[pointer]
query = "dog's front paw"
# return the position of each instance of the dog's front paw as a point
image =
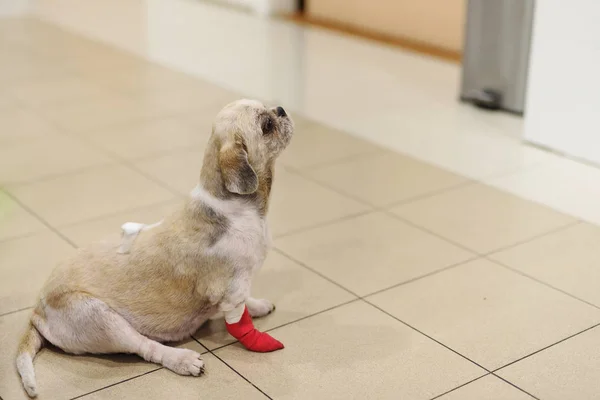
(184, 362)
(259, 307)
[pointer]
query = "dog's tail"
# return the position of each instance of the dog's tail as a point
(30, 344)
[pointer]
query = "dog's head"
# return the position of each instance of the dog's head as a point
(248, 137)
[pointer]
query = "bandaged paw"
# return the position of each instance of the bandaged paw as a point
(252, 339)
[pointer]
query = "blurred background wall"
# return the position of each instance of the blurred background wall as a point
(437, 23)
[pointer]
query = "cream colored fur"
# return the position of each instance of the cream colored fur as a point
(161, 282)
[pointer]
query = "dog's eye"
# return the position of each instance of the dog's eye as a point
(267, 126)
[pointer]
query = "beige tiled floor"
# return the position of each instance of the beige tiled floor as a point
(392, 278)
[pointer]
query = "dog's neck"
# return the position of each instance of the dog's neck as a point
(211, 183)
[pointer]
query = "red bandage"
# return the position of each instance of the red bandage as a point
(250, 338)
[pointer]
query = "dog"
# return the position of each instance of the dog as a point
(163, 281)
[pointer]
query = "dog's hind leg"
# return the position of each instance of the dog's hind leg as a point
(79, 323)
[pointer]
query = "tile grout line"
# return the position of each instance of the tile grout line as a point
(426, 335)
(424, 196)
(302, 172)
(133, 209)
(477, 255)
(515, 386)
(322, 224)
(314, 271)
(493, 372)
(42, 220)
(241, 376)
(545, 348)
(23, 236)
(45, 178)
(523, 274)
(126, 163)
(132, 377)
(295, 171)
(363, 299)
(532, 238)
(486, 256)
(116, 383)
(15, 311)
(82, 138)
(284, 324)
(427, 275)
(341, 160)
(460, 386)
(313, 315)
(430, 232)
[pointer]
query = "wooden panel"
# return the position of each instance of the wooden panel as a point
(434, 22)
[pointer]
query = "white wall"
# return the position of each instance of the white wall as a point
(563, 97)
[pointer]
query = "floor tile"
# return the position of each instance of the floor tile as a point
(37, 159)
(315, 144)
(21, 66)
(201, 120)
(15, 220)
(66, 90)
(203, 99)
(568, 370)
(353, 351)
(298, 203)
(6, 100)
(60, 375)
(371, 252)
(97, 62)
(484, 311)
(567, 260)
(565, 185)
(106, 227)
(30, 30)
(139, 77)
(218, 382)
(482, 218)
(90, 194)
(452, 136)
(488, 387)
(384, 178)
(19, 124)
(149, 138)
(295, 291)
(95, 114)
(25, 264)
(179, 170)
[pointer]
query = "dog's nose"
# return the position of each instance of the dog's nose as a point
(280, 112)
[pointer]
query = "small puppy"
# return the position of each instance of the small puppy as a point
(177, 274)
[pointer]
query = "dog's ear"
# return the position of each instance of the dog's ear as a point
(238, 175)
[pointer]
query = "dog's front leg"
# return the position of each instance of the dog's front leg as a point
(239, 325)
(259, 307)
(239, 322)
